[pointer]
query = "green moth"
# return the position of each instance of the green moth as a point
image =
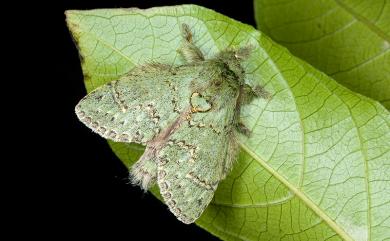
(187, 116)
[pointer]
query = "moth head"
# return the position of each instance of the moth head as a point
(232, 59)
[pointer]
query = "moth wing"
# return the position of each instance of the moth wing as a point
(138, 105)
(192, 163)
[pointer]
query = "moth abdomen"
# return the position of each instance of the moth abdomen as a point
(144, 172)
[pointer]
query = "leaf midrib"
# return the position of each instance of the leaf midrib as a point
(366, 179)
(299, 194)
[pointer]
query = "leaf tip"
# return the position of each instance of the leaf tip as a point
(71, 19)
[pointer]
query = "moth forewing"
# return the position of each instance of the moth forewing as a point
(138, 106)
(193, 162)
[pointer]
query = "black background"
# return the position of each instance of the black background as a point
(86, 184)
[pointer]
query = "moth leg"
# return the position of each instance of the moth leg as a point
(231, 155)
(247, 93)
(255, 91)
(188, 50)
(243, 129)
(240, 127)
(144, 172)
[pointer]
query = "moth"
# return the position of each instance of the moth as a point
(187, 116)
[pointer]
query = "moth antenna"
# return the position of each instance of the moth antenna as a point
(186, 32)
(188, 50)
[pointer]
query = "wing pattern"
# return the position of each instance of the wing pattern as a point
(138, 106)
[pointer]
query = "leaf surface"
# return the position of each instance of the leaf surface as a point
(347, 39)
(316, 166)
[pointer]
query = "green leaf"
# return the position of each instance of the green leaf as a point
(317, 165)
(347, 39)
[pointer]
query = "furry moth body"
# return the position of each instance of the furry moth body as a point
(187, 116)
